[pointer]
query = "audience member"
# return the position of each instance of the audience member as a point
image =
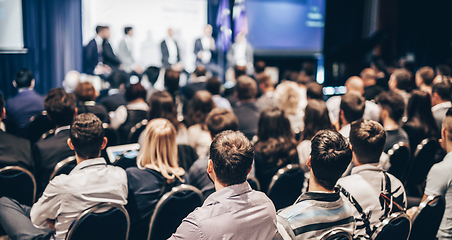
(352, 108)
(157, 172)
(171, 80)
(441, 94)
(268, 89)
(86, 96)
(315, 118)
(71, 81)
(302, 79)
(213, 85)
(392, 108)
(443, 74)
(234, 211)
(47, 152)
(218, 120)
(381, 72)
(276, 146)
(91, 182)
(149, 78)
(364, 185)
(114, 96)
(14, 151)
(314, 91)
(246, 110)
(420, 123)
(424, 79)
(330, 156)
(371, 89)
(400, 82)
(126, 117)
(287, 98)
(198, 109)
(26, 103)
(198, 82)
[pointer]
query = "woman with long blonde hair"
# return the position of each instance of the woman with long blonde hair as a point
(156, 172)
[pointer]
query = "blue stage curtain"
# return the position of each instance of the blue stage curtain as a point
(53, 36)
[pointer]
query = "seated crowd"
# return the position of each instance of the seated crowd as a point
(217, 139)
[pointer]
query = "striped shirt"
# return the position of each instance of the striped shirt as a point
(314, 215)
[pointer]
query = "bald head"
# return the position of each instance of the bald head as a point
(355, 84)
(368, 76)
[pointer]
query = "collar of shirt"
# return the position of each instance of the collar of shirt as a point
(89, 162)
(319, 196)
(99, 42)
(367, 167)
(89, 103)
(61, 129)
(447, 104)
(138, 106)
(227, 192)
(113, 91)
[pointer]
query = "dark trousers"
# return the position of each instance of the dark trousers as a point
(15, 220)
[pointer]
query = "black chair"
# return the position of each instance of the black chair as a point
(103, 221)
(64, 167)
(427, 218)
(39, 125)
(337, 235)
(111, 134)
(126, 159)
(187, 156)
(136, 130)
(395, 227)
(399, 157)
(254, 183)
(10, 126)
(286, 186)
(171, 209)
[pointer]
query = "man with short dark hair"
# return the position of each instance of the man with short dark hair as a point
(399, 82)
(197, 83)
(371, 89)
(424, 79)
(351, 109)
(321, 209)
(234, 211)
(61, 109)
(246, 110)
(392, 108)
(114, 97)
(441, 93)
(99, 53)
(26, 103)
(91, 182)
(365, 183)
(268, 89)
(213, 85)
(126, 52)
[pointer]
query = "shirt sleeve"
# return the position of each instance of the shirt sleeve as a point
(47, 206)
(188, 229)
(119, 118)
(437, 181)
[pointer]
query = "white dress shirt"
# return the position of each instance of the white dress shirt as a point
(172, 50)
(206, 54)
(99, 42)
(89, 183)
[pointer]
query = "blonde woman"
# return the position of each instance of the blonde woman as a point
(158, 170)
(288, 98)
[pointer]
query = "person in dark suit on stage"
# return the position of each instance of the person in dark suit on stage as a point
(170, 51)
(98, 57)
(26, 103)
(206, 52)
(51, 149)
(14, 151)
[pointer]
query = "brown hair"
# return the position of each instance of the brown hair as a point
(85, 92)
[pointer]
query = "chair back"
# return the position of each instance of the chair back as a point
(286, 186)
(187, 156)
(39, 124)
(399, 157)
(111, 134)
(171, 209)
(64, 166)
(254, 183)
(427, 218)
(13, 179)
(126, 159)
(103, 221)
(10, 126)
(337, 235)
(136, 131)
(397, 227)
(423, 160)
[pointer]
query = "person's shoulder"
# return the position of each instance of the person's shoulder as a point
(349, 180)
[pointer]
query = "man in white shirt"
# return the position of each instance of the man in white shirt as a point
(170, 50)
(206, 52)
(440, 101)
(91, 182)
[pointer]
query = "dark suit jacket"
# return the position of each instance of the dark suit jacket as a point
(109, 56)
(165, 54)
(248, 115)
(91, 56)
(15, 151)
(112, 102)
(198, 48)
(23, 106)
(47, 153)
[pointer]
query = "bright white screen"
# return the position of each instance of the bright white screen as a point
(150, 20)
(11, 28)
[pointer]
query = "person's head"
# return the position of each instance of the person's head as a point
(170, 32)
(239, 71)
(441, 92)
(246, 88)
(71, 81)
(446, 132)
(213, 85)
(391, 105)
(60, 106)
(85, 92)
(273, 124)
(159, 149)
(369, 77)
(128, 31)
(221, 119)
(419, 105)
(315, 118)
(161, 105)
(400, 79)
(116, 79)
(171, 80)
(424, 75)
(314, 91)
(134, 92)
(199, 106)
(443, 69)
(368, 139)
(153, 74)
(352, 107)
(330, 157)
(103, 32)
(200, 71)
(355, 84)
(2, 107)
(24, 79)
(231, 158)
(287, 97)
(87, 136)
(259, 67)
(208, 30)
(265, 82)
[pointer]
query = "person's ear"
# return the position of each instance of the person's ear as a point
(75, 112)
(14, 83)
(209, 166)
(104, 143)
(308, 163)
(33, 82)
(3, 113)
(69, 143)
(250, 169)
